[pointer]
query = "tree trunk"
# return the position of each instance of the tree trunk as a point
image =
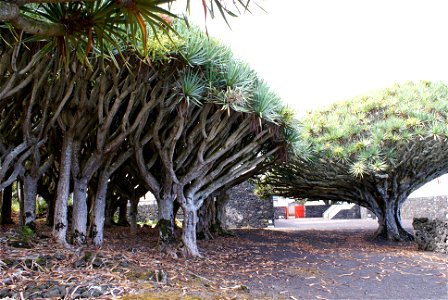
(30, 191)
(63, 190)
(50, 211)
(99, 210)
(109, 210)
(21, 197)
(80, 213)
(165, 224)
(133, 215)
(206, 219)
(390, 227)
(123, 213)
(221, 202)
(406, 235)
(211, 216)
(6, 213)
(189, 230)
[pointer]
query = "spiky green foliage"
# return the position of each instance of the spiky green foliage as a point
(369, 131)
(98, 27)
(228, 81)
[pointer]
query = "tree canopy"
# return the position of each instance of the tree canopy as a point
(373, 150)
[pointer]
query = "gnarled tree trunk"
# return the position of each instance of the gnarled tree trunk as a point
(211, 216)
(165, 224)
(189, 230)
(390, 226)
(206, 219)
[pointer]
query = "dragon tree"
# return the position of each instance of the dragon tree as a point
(373, 151)
(56, 57)
(217, 122)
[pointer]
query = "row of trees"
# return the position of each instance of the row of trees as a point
(183, 123)
(110, 99)
(373, 151)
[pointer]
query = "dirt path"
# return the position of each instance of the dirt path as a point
(345, 264)
(254, 264)
(322, 224)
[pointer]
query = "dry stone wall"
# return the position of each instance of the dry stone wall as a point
(431, 235)
(245, 209)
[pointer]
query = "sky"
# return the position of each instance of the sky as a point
(316, 52)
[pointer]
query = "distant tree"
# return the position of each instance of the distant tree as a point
(374, 151)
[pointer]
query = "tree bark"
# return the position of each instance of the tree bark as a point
(133, 215)
(406, 235)
(123, 213)
(206, 219)
(211, 216)
(30, 191)
(390, 226)
(21, 197)
(110, 209)
(6, 213)
(165, 224)
(189, 230)
(63, 190)
(99, 211)
(51, 208)
(221, 202)
(80, 213)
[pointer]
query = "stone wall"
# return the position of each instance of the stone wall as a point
(431, 235)
(147, 212)
(427, 207)
(244, 209)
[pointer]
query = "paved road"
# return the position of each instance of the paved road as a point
(324, 224)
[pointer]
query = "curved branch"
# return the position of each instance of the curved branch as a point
(36, 27)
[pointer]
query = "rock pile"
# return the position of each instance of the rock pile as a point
(431, 235)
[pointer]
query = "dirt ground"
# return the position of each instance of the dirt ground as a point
(254, 264)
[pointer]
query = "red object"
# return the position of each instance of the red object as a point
(299, 211)
(287, 212)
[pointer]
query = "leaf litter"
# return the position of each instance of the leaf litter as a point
(254, 264)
